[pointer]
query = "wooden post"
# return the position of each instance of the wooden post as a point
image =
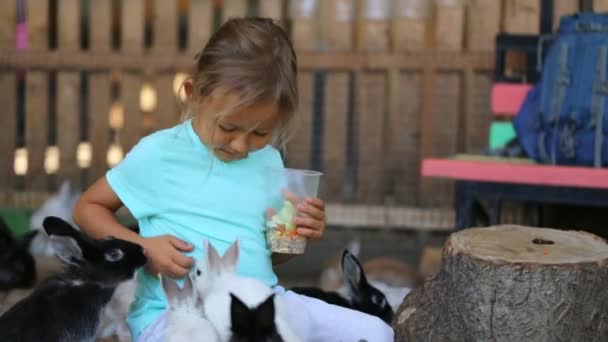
(337, 32)
(522, 16)
(234, 9)
(304, 24)
(512, 283)
(449, 25)
(373, 27)
(99, 89)
(68, 93)
(405, 114)
(563, 7)
(410, 25)
(200, 26)
(167, 112)
(37, 104)
(304, 37)
(8, 96)
(600, 5)
(337, 24)
(371, 109)
(299, 150)
(272, 9)
(132, 42)
(483, 23)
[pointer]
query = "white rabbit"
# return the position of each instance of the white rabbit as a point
(216, 279)
(60, 205)
(185, 321)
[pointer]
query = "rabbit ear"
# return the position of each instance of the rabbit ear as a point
(354, 247)
(231, 257)
(65, 190)
(265, 314)
(174, 293)
(56, 226)
(66, 249)
(353, 273)
(214, 262)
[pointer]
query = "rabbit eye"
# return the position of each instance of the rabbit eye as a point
(114, 255)
(198, 272)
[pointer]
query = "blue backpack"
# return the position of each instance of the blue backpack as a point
(564, 118)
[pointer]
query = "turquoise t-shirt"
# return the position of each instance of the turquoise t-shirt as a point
(173, 184)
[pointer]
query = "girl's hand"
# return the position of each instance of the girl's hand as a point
(312, 225)
(165, 257)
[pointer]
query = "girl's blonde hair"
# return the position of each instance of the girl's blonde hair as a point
(254, 57)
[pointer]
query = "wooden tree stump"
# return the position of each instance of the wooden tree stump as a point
(512, 283)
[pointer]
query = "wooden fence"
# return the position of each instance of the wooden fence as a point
(382, 84)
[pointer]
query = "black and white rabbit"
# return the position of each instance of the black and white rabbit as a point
(253, 324)
(67, 307)
(17, 265)
(216, 281)
(359, 294)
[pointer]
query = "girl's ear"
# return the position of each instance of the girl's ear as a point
(188, 88)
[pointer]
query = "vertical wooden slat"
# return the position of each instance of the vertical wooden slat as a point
(337, 26)
(404, 133)
(200, 24)
(304, 37)
(483, 23)
(165, 26)
(99, 131)
(99, 29)
(8, 96)
(272, 9)
(68, 91)
(132, 26)
(304, 27)
(373, 27)
(167, 110)
(99, 89)
(234, 9)
(563, 7)
(298, 152)
(466, 128)
(68, 124)
(410, 25)
(478, 87)
(371, 111)
(449, 25)
(522, 16)
(426, 127)
(373, 30)
(166, 42)
(600, 5)
(36, 102)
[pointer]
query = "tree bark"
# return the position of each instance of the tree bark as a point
(512, 283)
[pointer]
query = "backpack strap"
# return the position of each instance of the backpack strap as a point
(562, 81)
(598, 103)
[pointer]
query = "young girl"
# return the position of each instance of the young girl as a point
(204, 179)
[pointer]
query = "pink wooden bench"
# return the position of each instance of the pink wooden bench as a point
(497, 179)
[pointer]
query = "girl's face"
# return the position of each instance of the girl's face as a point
(233, 136)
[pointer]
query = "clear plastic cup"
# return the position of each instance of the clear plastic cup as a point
(287, 188)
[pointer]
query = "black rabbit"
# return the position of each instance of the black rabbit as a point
(360, 294)
(67, 307)
(17, 265)
(255, 324)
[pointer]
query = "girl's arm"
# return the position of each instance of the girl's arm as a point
(94, 213)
